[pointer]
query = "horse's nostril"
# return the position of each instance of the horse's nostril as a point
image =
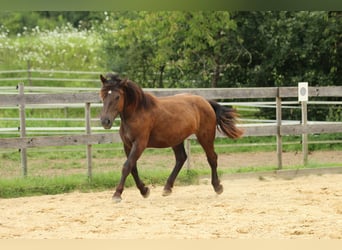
(105, 122)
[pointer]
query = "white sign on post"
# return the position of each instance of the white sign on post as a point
(303, 92)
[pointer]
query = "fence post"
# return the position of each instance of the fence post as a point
(279, 138)
(89, 146)
(303, 97)
(305, 135)
(22, 128)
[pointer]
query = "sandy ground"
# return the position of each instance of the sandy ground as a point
(307, 207)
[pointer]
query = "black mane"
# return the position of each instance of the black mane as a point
(134, 95)
(112, 79)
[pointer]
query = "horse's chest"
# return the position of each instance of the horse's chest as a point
(127, 134)
(133, 132)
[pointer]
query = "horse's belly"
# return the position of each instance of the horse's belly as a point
(162, 141)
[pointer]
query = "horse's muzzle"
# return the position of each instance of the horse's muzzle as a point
(106, 123)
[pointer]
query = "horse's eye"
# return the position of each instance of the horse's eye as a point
(117, 97)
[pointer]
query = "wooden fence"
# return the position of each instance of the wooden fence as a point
(275, 93)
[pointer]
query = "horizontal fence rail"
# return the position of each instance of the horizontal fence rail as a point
(218, 93)
(45, 75)
(278, 128)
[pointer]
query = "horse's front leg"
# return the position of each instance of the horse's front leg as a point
(145, 191)
(127, 168)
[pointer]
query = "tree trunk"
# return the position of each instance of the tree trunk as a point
(216, 76)
(161, 72)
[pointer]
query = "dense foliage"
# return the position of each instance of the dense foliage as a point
(170, 49)
(181, 49)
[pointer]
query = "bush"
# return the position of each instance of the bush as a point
(64, 48)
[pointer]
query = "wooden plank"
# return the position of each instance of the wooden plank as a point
(256, 130)
(329, 91)
(219, 93)
(62, 98)
(45, 141)
(324, 128)
(311, 129)
(249, 130)
(10, 99)
(208, 93)
(224, 93)
(67, 98)
(288, 92)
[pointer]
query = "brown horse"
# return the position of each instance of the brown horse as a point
(148, 121)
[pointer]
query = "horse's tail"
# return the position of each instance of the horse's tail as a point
(226, 120)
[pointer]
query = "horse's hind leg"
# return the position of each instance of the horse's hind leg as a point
(207, 142)
(181, 157)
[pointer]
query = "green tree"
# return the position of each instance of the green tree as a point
(288, 47)
(172, 47)
(212, 46)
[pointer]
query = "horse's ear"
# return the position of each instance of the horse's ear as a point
(103, 80)
(124, 82)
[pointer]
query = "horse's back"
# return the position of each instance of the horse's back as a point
(193, 105)
(177, 117)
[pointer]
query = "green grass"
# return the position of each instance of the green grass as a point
(39, 185)
(42, 185)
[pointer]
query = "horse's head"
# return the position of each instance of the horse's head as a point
(112, 97)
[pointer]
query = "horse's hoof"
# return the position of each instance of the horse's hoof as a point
(147, 193)
(116, 199)
(167, 192)
(219, 189)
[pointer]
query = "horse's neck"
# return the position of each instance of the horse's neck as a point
(125, 115)
(139, 110)
(128, 112)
